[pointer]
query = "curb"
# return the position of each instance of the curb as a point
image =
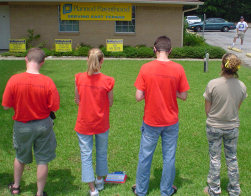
(85, 58)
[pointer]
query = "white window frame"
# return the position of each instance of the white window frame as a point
(72, 21)
(129, 23)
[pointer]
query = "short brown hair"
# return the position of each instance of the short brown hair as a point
(36, 54)
(163, 43)
(230, 64)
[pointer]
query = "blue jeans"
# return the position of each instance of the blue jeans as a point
(86, 144)
(149, 140)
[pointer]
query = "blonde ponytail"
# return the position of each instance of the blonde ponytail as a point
(95, 56)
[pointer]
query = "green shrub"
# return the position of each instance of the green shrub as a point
(139, 52)
(194, 52)
(32, 40)
(5, 54)
(197, 52)
(178, 53)
(63, 53)
(81, 51)
(118, 54)
(20, 54)
(140, 46)
(106, 53)
(130, 52)
(16, 54)
(48, 52)
(215, 52)
(83, 45)
(145, 52)
(193, 40)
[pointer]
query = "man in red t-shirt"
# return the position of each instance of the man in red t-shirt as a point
(33, 97)
(160, 83)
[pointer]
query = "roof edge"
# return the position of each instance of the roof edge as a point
(112, 1)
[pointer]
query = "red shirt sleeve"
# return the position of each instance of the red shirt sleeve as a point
(183, 83)
(54, 99)
(7, 96)
(140, 82)
(77, 77)
(110, 84)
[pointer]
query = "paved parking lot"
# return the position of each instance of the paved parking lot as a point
(225, 39)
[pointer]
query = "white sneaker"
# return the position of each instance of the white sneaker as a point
(94, 193)
(99, 184)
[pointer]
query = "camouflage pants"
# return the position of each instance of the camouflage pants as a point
(229, 137)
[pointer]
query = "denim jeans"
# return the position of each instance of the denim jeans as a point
(86, 144)
(229, 137)
(149, 140)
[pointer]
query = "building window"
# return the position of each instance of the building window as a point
(126, 26)
(67, 25)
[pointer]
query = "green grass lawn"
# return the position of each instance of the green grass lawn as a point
(192, 161)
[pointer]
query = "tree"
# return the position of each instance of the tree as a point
(228, 9)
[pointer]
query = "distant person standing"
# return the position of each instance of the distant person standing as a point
(159, 83)
(33, 97)
(241, 29)
(223, 98)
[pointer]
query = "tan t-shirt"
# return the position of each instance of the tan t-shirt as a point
(225, 96)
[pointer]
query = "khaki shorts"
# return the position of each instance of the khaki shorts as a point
(240, 35)
(37, 134)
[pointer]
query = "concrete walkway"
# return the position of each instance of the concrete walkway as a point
(85, 58)
(225, 39)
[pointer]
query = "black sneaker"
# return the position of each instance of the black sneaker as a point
(134, 189)
(44, 194)
(174, 189)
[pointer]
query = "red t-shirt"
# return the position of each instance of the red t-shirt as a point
(33, 96)
(160, 80)
(93, 110)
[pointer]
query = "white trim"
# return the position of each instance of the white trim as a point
(182, 29)
(192, 9)
(183, 15)
(5, 34)
(114, 1)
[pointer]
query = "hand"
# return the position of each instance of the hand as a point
(76, 101)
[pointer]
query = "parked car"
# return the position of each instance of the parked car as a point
(192, 19)
(213, 24)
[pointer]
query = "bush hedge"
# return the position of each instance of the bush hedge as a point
(197, 52)
(142, 52)
(194, 47)
(191, 39)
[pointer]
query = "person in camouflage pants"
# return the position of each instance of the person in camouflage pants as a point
(223, 97)
(229, 137)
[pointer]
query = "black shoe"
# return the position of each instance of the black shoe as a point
(134, 189)
(44, 194)
(174, 189)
